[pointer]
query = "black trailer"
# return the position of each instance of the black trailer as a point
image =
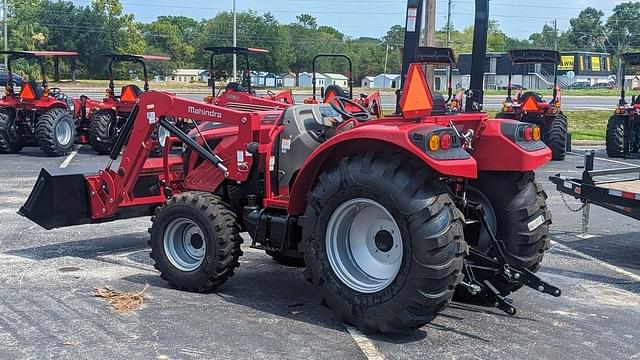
(620, 195)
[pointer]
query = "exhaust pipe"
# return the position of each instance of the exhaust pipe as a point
(58, 201)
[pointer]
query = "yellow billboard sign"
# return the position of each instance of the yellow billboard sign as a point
(595, 63)
(567, 63)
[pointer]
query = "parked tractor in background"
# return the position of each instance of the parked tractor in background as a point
(390, 216)
(530, 107)
(113, 111)
(242, 96)
(372, 102)
(40, 115)
(623, 128)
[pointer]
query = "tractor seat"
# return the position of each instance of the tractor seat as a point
(536, 96)
(439, 104)
(236, 87)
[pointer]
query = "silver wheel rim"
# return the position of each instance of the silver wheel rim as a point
(364, 245)
(63, 133)
(185, 244)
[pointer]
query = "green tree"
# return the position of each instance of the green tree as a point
(586, 32)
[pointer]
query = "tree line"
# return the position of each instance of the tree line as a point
(103, 27)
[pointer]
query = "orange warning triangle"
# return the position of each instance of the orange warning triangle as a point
(416, 100)
(128, 95)
(27, 92)
(530, 104)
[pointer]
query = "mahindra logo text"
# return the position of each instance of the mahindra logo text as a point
(200, 111)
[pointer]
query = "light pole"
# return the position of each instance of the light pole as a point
(6, 37)
(235, 41)
(386, 62)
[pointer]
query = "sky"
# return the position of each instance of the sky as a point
(374, 18)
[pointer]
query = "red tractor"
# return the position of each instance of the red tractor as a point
(114, 109)
(40, 115)
(371, 102)
(530, 106)
(623, 128)
(391, 216)
(242, 96)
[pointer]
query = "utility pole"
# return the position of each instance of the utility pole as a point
(555, 34)
(430, 35)
(6, 33)
(449, 23)
(386, 62)
(235, 41)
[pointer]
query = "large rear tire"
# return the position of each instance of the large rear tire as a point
(406, 234)
(56, 132)
(616, 136)
(195, 242)
(517, 206)
(556, 137)
(10, 140)
(103, 131)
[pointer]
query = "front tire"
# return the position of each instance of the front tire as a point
(406, 233)
(195, 242)
(103, 131)
(557, 135)
(10, 140)
(56, 132)
(616, 136)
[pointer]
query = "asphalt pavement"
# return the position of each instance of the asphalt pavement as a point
(267, 311)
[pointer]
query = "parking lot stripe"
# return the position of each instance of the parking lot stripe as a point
(67, 161)
(619, 270)
(607, 160)
(369, 350)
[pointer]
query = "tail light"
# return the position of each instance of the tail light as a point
(445, 141)
(537, 134)
(528, 134)
(434, 142)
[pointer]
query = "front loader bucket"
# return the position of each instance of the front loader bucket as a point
(58, 201)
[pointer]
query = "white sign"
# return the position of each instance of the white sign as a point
(412, 19)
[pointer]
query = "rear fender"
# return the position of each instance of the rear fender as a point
(372, 138)
(495, 151)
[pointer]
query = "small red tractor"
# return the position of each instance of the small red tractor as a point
(113, 111)
(530, 106)
(242, 96)
(371, 102)
(390, 216)
(40, 115)
(623, 128)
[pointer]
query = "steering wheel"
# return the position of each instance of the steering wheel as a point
(271, 93)
(54, 91)
(339, 104)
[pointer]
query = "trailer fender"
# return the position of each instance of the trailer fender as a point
(498, 149)
(377, 138)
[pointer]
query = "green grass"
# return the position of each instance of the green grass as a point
(566, 92)
(586, 125)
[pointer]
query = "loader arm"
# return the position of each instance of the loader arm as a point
(153, 108)
(110, 194)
